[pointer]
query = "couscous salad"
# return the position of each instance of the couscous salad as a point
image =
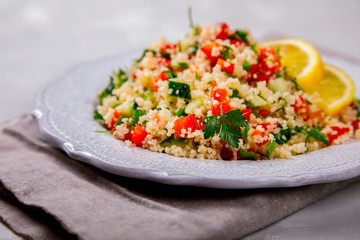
(217, 94)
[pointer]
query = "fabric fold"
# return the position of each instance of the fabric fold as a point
(92, 204)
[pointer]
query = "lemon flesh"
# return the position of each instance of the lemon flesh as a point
(334, 91)
(301, 59)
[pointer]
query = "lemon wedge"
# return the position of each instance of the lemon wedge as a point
(301, 59)
(334, 91)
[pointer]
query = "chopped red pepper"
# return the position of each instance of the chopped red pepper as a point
(355, 124)
(219, 94)
(185, 123)
(224, 33)
(246, 113)
(168, 46)
(138, 135)
(207, 49)
(269, 62)
(313, 115)
(338, 132)
(153, 81)
(300, 106)
(163, 62)
(116, 115)
(264, 113)
(225, 106)
(226, 65)
(258, 133)
(236, 42)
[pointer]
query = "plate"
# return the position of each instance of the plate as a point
(64, 111)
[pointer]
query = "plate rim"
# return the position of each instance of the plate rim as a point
(42, 112)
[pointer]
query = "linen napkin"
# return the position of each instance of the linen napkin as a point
(47, 195)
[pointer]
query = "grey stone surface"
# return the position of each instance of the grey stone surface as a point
(41, 39)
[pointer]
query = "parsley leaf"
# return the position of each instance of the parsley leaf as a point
(183, 65)
(106, 131)
(235, 93)
(136, 114)
(121, 78)
(236, 119)
(98, 116)
(277, 74)
(271, 145)
(192, 25)
(278, 52)
(107, 91)
(230, 134)
(227, 125)
(246, 65)
(196, 75)
(165, 55)
(119, 121)
(180, 112)
(317, 135)
(283, 136)
(226, 53)
(245, 133)
(248, 155)
(169, 74)
(242, 35)
(212, 126)
(144, 53)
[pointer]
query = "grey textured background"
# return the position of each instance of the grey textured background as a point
(41, 39)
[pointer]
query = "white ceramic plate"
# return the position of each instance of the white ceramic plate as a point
(64, 110)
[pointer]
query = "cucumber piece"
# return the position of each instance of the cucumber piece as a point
(258, 101)
(126, 107)
(194, 104)
(149, 96)
(279, 85)
(173, 141)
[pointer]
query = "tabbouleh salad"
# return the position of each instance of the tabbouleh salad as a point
(216, 95)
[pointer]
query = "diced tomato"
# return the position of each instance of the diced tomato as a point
(246, 113)
(219, 94)
(116, 115)
(163, 62)
(264, 113)
(269, 60)
(236, 42)
(257, 74)
(300, 106)
(153, 81)
(128, 136)
(355, 124)
(226, 154)
(185, 123)
(207, 49)
(258, 133)
(225, 106)
(224, 33)
(168, 46)
(201, 120)
(226, 65)
(338, 132)
(313, 115)
(138, 135)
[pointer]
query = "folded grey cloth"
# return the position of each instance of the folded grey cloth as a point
(47, 195)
